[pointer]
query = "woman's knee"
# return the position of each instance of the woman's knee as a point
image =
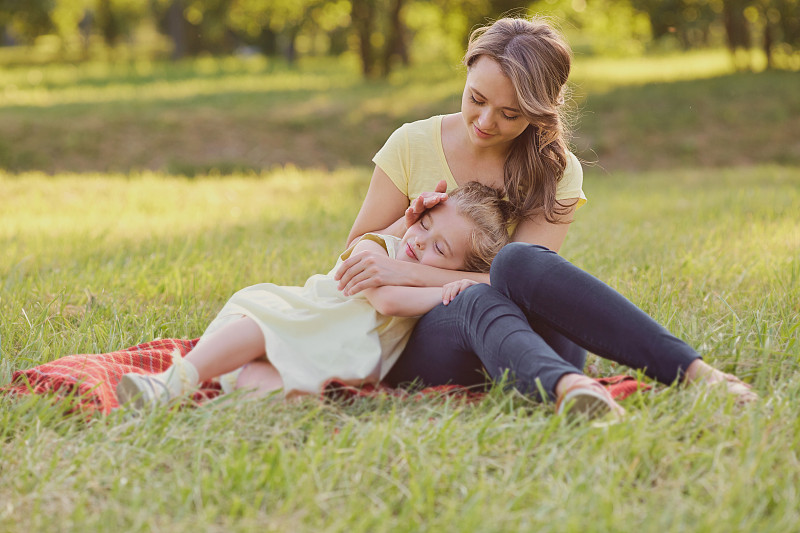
(519, 261)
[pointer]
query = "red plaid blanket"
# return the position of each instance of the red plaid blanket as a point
(91, 379)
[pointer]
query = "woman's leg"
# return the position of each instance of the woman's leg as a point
(480, 320)
(552, 291)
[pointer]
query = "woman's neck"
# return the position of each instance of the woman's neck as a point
(462, 153)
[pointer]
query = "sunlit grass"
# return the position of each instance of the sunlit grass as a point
(58, 84)
(97, 262)
(599, 74)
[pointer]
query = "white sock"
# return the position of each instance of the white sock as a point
(181, 378)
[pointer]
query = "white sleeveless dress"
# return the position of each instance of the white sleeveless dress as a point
(314, 333)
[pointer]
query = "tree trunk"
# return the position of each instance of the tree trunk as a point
(396, 44)
(737, 30)
(268, 41)
(768, 40)
(109, 25)
(176, 26)
(290, 44)
(362, 13)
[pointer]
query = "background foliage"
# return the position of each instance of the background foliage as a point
(385, 33)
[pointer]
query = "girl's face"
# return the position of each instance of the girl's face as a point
(439, 239)
(489, 106)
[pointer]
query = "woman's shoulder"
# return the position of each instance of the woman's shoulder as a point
(425, 126)
(571, 183)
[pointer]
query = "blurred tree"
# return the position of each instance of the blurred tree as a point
(381, 34)
(26, 19)
(689, 21)
(737, 29)
(775, 24)
(778, 23)
(396, 44)
(275, 26)
(194, 26)
(175, 24)
(363, 16)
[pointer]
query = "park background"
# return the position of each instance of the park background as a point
(156, 156)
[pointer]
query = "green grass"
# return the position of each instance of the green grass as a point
(92, 263)
(231, 114)
(135, 198)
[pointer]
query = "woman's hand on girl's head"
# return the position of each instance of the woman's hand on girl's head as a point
(451, 290)
(425, 201)
(367, 270)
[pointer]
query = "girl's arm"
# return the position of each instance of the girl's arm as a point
(399, 300)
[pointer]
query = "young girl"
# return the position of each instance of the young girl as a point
(298, 338)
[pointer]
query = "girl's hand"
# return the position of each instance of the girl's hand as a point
(425, 201)
(452, 289)
(367, 270)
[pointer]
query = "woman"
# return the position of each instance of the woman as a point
(540, 314)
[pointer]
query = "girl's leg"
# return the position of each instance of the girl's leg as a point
(259, 378)
(225, 350)
(443, 347)
(230, 347)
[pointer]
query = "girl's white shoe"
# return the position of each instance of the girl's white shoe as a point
(140, 390)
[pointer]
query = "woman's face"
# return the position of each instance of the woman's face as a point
(439, 239)
(489, 106)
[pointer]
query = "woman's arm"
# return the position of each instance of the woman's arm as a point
(386, 210)
(383, 209)
(539, 231)
(366, 269)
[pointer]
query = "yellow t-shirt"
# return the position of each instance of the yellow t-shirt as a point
(414, 160)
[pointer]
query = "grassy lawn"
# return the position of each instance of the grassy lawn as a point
(252, 114)
(107, 241)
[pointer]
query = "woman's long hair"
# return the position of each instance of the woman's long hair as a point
(537, 60)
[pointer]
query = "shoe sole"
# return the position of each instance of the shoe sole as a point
(129, 393)
(585, 402)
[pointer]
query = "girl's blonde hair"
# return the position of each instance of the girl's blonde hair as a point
(489, 213)
(537, 60)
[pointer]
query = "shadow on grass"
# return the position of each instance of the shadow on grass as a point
(738, 119)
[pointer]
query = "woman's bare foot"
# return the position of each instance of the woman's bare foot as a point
(579, 394)
(701, 372)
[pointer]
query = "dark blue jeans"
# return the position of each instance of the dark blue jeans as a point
(534, 324)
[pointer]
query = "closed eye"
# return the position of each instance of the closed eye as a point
(422, 221)
(477, 102)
